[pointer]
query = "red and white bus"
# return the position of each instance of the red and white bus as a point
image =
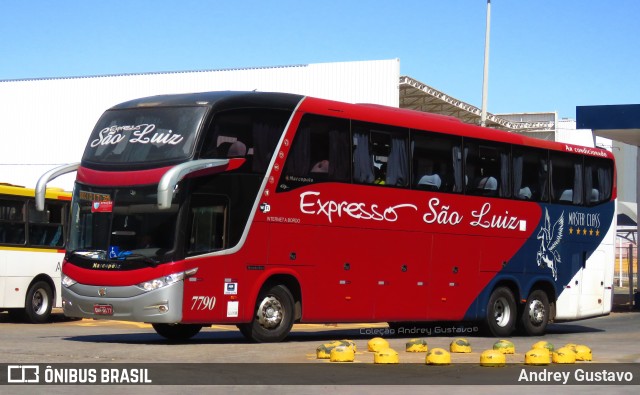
(31, 251)
(266, 209)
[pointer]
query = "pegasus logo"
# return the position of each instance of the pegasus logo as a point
(550, 238)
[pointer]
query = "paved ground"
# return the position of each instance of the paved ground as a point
(613, 340)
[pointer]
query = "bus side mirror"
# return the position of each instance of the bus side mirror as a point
(41, 186)
(173, 176)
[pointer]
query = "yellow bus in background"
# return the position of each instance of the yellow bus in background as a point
(31, 251)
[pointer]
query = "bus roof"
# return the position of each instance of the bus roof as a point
(17, 190)
(382, 114)
(219, 99)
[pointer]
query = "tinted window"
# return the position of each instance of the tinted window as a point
(320, 153)
(566, 178)
(251, 134)
(487, 168)
(207, 223)
(219, 209)
(433, 161)
(530, 174)
(45, 227)
(12, 221)
(380, 154)
(598, 180)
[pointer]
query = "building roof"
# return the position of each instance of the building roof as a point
(615, 122)
(419, 96)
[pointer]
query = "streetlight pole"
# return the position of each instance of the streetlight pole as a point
(485, 79)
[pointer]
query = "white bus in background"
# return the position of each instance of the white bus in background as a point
(31, 251)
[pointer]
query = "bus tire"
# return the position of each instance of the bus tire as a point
(273, 316)
(38, 302)
(177, 332)
(501, 312)
(535, 314)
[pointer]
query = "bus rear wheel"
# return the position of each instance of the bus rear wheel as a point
(501, 312)
(177, 332)
(535, 315)
(273, 316)
(38, 303)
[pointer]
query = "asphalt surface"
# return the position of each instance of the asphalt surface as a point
(220, 355)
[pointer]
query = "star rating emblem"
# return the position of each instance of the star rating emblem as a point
(584, 231)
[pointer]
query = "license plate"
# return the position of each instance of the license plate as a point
(103, 309)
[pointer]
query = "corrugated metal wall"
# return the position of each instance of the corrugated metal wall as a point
(46, 122)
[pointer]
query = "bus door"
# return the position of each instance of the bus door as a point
(596, 291)
(569, 299)
(592, 286)
(585, 294)
(609, 269)
(207, 232)
(400, 277)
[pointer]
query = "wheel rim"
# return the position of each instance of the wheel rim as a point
(536, 312)
(501, 312)
(40, 301)
(270, 312)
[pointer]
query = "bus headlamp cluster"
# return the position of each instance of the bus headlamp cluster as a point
(67, 281)
(161, 282)
(165, 281)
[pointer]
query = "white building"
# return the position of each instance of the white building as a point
(46, 122)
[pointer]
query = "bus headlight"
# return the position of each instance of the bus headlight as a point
(164, 281)
(67, 281)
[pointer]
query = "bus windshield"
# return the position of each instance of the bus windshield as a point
(121, 224)
(144, 135)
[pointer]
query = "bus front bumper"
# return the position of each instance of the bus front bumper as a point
(126, 303)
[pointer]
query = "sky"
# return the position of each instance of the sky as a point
(545, 55)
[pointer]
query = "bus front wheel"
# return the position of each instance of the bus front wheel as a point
(273, 318)
(535, 315)
(177, 332)
(38, 303)
(501, 312)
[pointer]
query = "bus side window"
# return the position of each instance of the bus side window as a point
(381, 155)
(363, 165)
(45, 227)
(208, 224)
(598, 180)
(566, 178)
(12, 221)
(433, 163)
(251, 134)
(530, 170)
(487, 168)
(319, 153)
